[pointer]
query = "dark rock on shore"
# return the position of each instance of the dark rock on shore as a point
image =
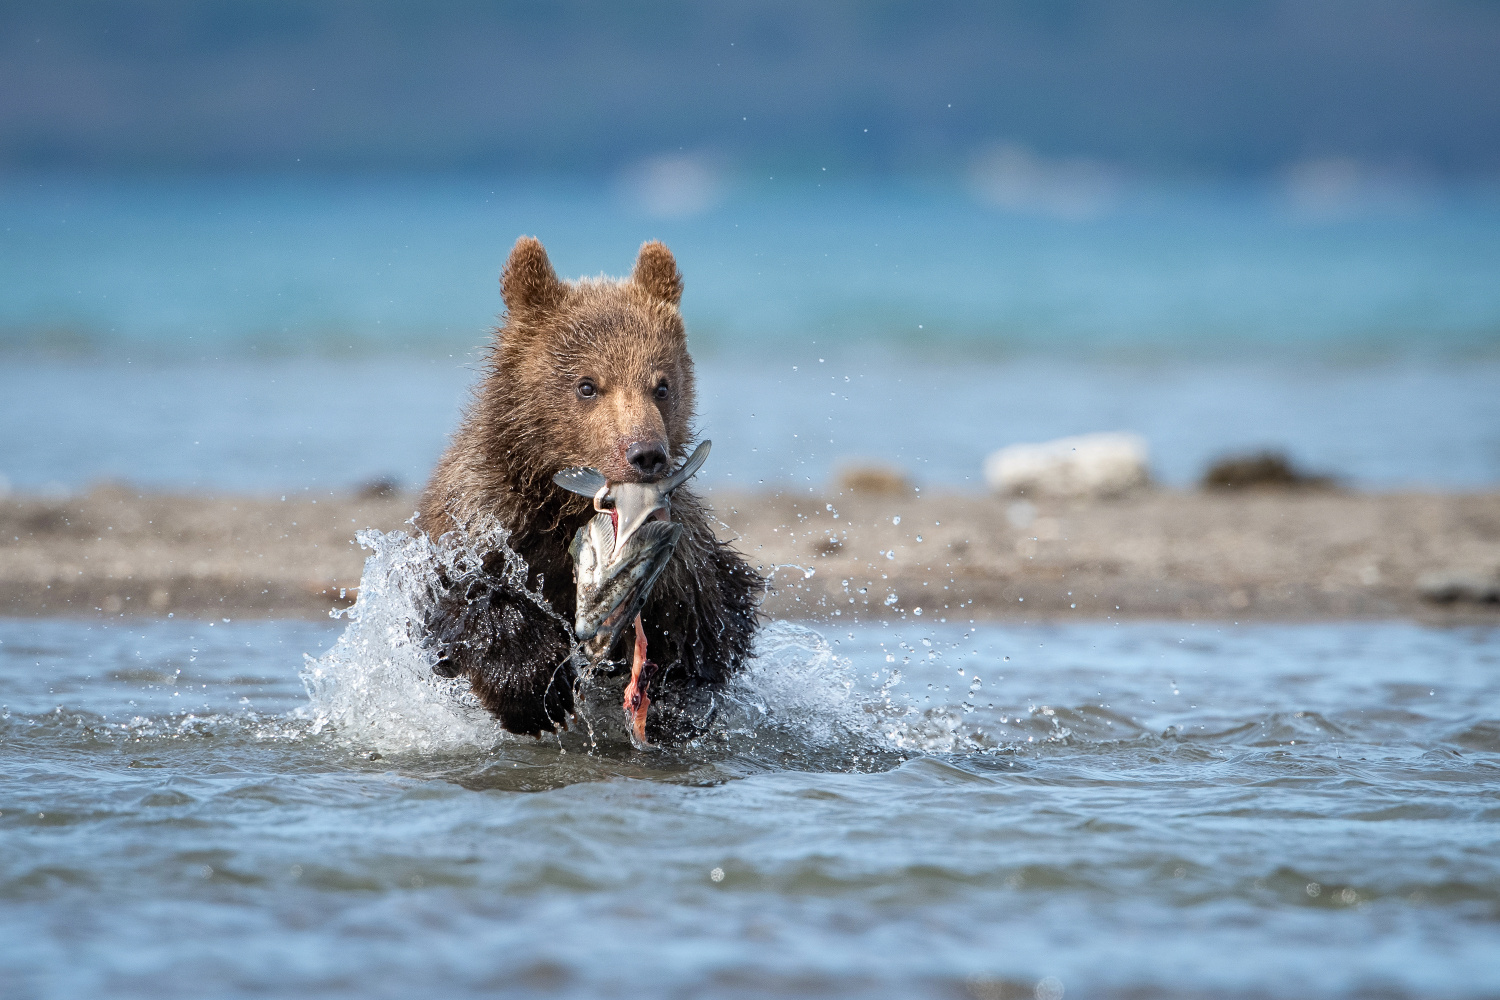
(1261, 470)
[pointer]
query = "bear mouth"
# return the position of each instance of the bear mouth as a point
(633, 502)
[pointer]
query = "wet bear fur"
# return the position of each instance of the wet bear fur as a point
(528, 419)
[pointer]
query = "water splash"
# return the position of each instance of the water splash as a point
(376, 684)
(796, 684)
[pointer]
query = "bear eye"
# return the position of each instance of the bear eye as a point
(662, 391)
(586, 389)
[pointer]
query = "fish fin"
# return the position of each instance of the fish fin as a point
(581, 480)
(576, 547)
(692, 465)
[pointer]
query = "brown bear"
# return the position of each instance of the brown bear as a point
(588, 373)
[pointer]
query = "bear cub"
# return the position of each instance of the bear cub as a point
(588, 373)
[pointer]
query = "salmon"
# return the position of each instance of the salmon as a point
(617, 557)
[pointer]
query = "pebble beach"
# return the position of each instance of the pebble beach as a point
(1262, 555)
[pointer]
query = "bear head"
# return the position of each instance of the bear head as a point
(596, 372)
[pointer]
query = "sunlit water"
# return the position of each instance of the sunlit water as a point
(226, 265)
(899, 810)
(299, 424)
(271, 335)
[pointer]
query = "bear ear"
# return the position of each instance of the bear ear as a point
(528, 282)
(656, 273)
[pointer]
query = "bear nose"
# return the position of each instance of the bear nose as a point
(649, 458)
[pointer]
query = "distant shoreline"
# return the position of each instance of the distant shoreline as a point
(1242, 557)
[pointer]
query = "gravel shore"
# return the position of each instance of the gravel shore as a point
(1251, 556)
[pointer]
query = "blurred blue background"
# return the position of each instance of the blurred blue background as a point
(255, 246)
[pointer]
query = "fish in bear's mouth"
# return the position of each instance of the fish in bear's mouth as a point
(617, 557)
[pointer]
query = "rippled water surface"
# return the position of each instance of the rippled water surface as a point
(900, 810)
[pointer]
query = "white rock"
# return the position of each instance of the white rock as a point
(1087, 465)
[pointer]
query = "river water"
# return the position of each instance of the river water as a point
(908, 809)
(916, 808)
(264, 335)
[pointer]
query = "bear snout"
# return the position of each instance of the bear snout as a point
(648, 458)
